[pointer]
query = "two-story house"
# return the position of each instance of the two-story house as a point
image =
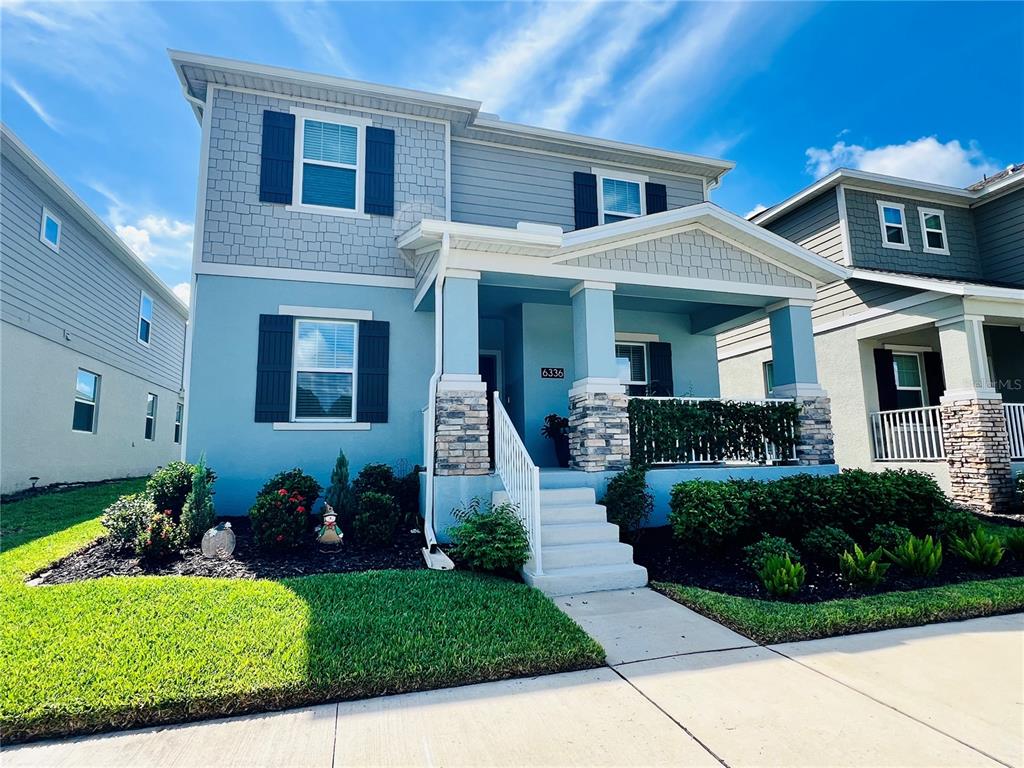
(402, 276)
(92, 342)
(922, 348)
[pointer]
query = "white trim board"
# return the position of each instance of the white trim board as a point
(941, 286)
(305, 275)
(325, 313)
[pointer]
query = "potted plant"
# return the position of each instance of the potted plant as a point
(557, 428)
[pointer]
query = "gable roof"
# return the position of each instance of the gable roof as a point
(197, 72)
(18, 153)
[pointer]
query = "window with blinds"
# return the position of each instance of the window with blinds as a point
(324, 370)
(330, 164)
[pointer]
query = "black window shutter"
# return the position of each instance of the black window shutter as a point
(934, 379)
(379, 191)
(274, 369)
(585, 199)
(657, 197)
(277, 157)
(885, 377)
(372, 394)
(660, 358)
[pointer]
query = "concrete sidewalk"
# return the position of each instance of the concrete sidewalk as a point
(680, 690)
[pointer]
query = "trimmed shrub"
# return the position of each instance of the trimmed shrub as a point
(981, 549)
(863, 570)
(918, 557)
(629, 502)
(339, 493)
(159, 539)
(888, 535)
(705, 514)
(827, 543)
(953, 522)
(489, 537)
(280, 516)
(782, 577)
(376, 519)
(169, 486)
(198, 515)
(1014, 542)
(126, 518)
(768, 546)
(379, 478)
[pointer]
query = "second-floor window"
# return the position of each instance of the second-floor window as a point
(893, 221)
(933, 231)
(619, 196)
(328, 167)
(145, 317)
(49, 230)
(324, 370)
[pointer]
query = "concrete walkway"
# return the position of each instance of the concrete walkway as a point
(680, 690)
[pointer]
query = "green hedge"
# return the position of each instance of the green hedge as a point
(672, 431)
(720, 514)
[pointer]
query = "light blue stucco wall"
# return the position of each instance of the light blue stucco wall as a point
(244, 453)
(793, 346)
(694, 357)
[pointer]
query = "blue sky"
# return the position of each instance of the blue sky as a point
(788, 91)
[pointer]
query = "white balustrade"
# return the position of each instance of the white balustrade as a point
(521, 479)
(1015, 429)
(908, 434)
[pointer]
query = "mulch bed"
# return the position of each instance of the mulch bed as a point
(102, 559)
(665, 560)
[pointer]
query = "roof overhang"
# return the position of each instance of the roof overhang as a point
(20, 155)
(950, 287)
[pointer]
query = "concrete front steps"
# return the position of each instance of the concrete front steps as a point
(580, 549)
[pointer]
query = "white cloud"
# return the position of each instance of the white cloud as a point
(926, 159)
(755, 210)
(183, 291)
(158, 240)
(313, 25)
(33, 103)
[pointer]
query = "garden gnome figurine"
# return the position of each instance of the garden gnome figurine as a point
(330, 534)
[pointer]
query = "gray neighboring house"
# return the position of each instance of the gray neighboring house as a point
(92, 341)
(922, 347)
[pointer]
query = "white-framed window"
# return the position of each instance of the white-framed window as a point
(324, 370)
(768, 372)
(893, 221)
(179, 411)
(909, 380)
(87, 397)
(49, 229)
(145, 318)
(631, 359)
(933, 231)
(329, 166)
(620, 195)
(150, 433)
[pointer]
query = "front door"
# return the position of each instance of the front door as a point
(489, 373)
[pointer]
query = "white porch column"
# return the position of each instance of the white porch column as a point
(461, 410)
(973, 423)
(795, 372)
(598, 417)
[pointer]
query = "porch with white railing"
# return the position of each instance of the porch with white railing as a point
(1015, 429)
(521, 479)
(909, 434)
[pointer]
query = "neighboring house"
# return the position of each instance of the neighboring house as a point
(373, 263)
(92, 341)
(922, 348)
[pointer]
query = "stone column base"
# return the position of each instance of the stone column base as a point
(598, 431)
(814, 443)
(977, 452)
(461, 423)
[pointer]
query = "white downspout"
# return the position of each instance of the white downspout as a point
(434, 557)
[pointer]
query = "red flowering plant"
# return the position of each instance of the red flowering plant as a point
(280, 516)
(158, 537)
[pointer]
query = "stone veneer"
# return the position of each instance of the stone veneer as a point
(598, 431)
(814, 444)
(461, 433)
(978, 453)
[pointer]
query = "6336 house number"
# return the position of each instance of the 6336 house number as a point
(552, 373)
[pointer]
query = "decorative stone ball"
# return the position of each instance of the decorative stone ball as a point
(219, 542)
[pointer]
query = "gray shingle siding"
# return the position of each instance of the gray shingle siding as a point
(500, 186)
(239, 229)
(1000, 229)
(866, 238)
(82, 290)
(815, 226)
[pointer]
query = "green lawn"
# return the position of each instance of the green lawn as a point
(125, 651)
(769, 621)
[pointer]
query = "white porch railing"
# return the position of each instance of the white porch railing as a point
(1015, 429)
(909, 434)
(704, 453)
(521, 479)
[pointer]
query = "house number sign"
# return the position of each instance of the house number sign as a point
(552, 373)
